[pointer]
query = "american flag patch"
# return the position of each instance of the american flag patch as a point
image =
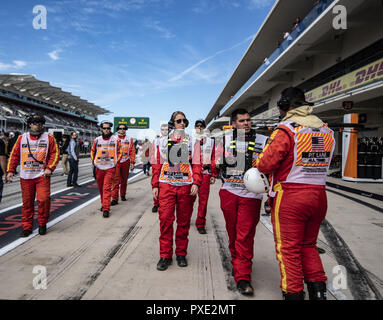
(317, 143)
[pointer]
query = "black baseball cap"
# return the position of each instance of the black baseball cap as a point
(295, 96)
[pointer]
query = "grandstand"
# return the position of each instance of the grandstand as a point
(21, 95)
(340, 70)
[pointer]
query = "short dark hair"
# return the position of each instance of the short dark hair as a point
(235, 113)
(200, 121)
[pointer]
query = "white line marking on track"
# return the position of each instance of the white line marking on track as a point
(20, 241)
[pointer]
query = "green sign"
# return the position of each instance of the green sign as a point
(132, 122)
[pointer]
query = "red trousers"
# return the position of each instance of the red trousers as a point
(38, 188)
(121, 179)
(203, 197)
(296, 216)
(241, 216)
(105, 180)
(174, 200)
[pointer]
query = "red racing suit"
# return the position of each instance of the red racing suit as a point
(105, 155)
(208, 170)
(174, 184)
(33, 183)
(128, 157)
(298, 158)
(241, 208)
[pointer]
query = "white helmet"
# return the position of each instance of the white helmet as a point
(256, 181)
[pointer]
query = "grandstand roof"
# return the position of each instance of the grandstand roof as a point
(281, 15)
(29, 86)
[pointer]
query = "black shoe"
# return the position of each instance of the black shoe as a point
(69, 185)
(181, 261)
(244, 287)
(114, 202)
(317, 290)
(202, 230)
(105, 214)
(123, 198)
(42, 230)
(25, 233)
(154, 209)
(101, 209)
(163, 264)
(293, 296)
(76, 185)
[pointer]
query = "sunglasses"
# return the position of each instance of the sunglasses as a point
(121, 128)
(37, 123)
(106, 128)
(199, 126)
(181, 120)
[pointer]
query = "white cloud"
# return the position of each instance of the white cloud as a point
(16, 64)
(196, 65)
(155, 25)
(54, 55)
(256, 4)
(19, 64)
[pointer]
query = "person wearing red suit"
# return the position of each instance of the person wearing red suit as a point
(298, 155)
(176, 177)
(126, 163)
(209, 172)
(105, 155)
(37, 154)
(241, 208)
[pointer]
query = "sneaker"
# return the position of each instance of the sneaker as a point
(155, 209)
(181, 261)
(202, 230)
(163, 264)
(244, 287)
(123, 198)
(105, 214)
(25, 233)
(114, 202)
(42, 230)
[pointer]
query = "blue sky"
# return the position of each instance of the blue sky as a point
(143, 58)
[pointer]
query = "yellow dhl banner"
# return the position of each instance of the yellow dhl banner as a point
(357, 78)
(360, 77)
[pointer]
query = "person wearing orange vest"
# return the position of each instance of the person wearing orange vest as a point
(176, 177)
(241, 208)
(105, 155)
(298, 156)
(209, 172)
(127, 162)
(37, 154)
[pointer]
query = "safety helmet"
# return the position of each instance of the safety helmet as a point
(256, 181)
(35, 118)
